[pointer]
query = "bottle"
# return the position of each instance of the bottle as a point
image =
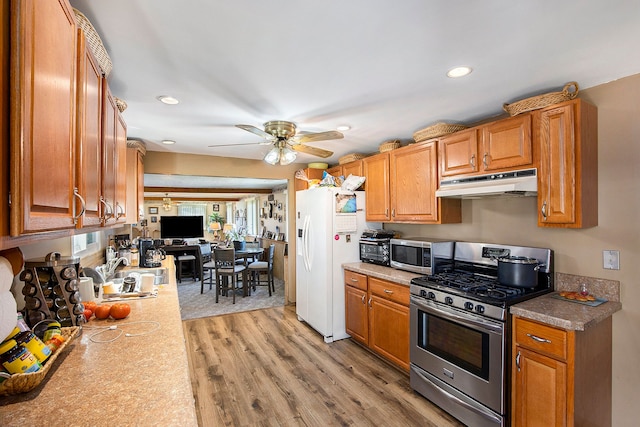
(134, 257)
(22, 325)
(17, 359)
(35, 346)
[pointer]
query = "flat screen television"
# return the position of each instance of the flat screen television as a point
(181, 227)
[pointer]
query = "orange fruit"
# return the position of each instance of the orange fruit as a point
(120, 310)
(102, 311)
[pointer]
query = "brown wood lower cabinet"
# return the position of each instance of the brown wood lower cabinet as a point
(561, 377)
(377, 315)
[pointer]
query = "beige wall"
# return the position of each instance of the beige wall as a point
(580, 251)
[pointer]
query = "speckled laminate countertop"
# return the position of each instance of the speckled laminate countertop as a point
(382, 272)
(571, 315)
(132, 381)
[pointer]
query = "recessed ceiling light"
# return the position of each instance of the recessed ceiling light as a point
(458, 72)
(166, 99)
(168, 142)
(342, 128)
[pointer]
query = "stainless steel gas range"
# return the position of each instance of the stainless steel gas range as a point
(460, 331)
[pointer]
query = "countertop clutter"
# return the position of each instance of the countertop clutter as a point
(570, 315)
(141, 379)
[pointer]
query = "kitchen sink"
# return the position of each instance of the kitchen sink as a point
(160, 274)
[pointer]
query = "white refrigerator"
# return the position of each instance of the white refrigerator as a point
(329, 223)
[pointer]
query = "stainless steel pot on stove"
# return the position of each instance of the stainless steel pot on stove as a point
(518, 271)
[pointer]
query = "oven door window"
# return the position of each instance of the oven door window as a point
(411, 255)
(464, 347)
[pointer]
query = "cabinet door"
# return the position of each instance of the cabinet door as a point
(43, 99)
(352, 168)
(356, 314)
(376, 184)
(4, 118)
(335, 171)
(459, 153)
(507, 144)
(311, 173)
(568, 175)
(389, 330)
(414, 180)
(89, 134)
(120, 206)
(109, 155)
(539, 390)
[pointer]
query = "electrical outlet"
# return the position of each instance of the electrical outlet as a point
(611, 260)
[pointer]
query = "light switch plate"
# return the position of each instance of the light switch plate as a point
(611, 260)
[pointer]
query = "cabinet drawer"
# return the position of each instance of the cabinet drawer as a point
(356, 280)
(390, 291)
(541, 338)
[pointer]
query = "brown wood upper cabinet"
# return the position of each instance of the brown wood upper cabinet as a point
(88, 134)
(114, 155)
(568, 172)
(346, 169)
(497, 146)
(43, 116)
(401, 185)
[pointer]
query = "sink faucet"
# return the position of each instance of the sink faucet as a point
(107, 270)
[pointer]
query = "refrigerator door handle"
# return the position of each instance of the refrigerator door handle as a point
(305, 243)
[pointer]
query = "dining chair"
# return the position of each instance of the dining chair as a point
(256, 268)
(225, 268)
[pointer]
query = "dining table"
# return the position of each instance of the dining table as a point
(245, 255)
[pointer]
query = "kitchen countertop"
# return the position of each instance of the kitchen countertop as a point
(571, 315)
(131, 381)
(382, 272)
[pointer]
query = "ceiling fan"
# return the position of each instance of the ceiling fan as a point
(286, 142)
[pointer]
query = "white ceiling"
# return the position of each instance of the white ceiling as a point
(378, 66)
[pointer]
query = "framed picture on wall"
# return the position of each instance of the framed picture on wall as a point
(154, 218)
(216, 208)
(153, 210)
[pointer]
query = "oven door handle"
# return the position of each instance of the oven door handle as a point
(475, 322)
(459, 401)
(364, 242)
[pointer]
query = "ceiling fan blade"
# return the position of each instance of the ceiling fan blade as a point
(259, 132)
(237, 145)
(312, 150)
(320, 136)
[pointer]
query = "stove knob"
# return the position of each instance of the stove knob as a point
(479, 308)
(468, 305)
(448, 300)
(423, 293)
(431, 295)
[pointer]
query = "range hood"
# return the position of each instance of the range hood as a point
(513, 183)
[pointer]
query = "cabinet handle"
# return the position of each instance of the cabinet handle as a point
(363, 299)
(353, 279)
(518, 361)
(82, 203)
(472, 162)
(388, 291)
(386, 212)
(369, 301)
(118, 208)
(393, 212)
(538, 339)
(108, 212)
(543, 210)
(484, 159)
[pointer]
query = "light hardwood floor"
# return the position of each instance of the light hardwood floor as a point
(266, 368)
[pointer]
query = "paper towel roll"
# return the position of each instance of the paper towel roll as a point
(8, 314)
(85, 286)
(6, 275)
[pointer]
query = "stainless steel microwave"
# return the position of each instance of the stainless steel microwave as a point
(421, 254)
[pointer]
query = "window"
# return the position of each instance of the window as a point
(252, 216)
(83, 244)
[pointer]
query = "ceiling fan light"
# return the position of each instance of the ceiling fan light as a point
(287, 156)
(273, 156)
